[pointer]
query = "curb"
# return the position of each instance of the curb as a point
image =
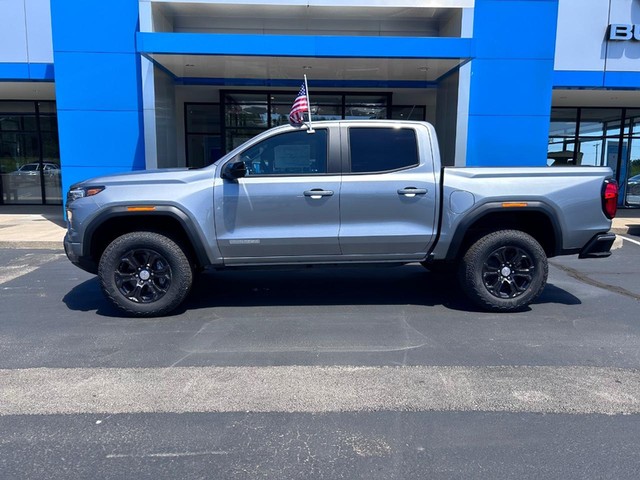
(33, 245)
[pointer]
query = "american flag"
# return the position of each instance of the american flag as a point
(300, 105)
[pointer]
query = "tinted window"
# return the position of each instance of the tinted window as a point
(292, 153)
(382, 149)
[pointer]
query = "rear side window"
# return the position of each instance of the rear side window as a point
(382, 149)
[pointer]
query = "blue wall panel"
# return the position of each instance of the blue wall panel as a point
(505, 81)
(94, 26)
(511, 82)
(87, 143)
(95, 76)
(27, 72)
(494, 143)
(511, 28)
(98, 84)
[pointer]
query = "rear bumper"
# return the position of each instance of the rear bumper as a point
(598, 247)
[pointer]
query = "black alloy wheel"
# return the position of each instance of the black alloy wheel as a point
(504, 271)
(145, 274)
(507, 272)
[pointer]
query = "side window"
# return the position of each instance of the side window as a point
(382, 149)
(291, 153)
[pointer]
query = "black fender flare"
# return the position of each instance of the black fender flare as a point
(496, 207)
(185, 221)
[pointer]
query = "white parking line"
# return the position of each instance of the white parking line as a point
(316, 389)
(629, 239)
(25, 264)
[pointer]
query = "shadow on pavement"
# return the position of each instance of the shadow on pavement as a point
(409, 285)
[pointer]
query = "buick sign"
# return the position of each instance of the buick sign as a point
(623, 32)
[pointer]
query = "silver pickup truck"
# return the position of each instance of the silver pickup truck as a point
(347, 192)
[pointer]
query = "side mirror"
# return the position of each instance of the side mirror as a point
(234, 169)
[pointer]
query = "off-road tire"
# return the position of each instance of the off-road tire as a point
(139, 289)
(504, 271)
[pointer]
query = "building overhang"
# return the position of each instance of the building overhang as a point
(238, 59)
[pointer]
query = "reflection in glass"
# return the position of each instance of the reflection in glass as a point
(203, 150)
(413, 112)
(563, 122)
(203, 118)
(246, 116)
(632, 187)
(236, 137)
(598, 122)
(29, 159)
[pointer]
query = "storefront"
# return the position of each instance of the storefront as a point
(106, 87)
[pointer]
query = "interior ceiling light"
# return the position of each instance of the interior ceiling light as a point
(306, 67)
(423, 69)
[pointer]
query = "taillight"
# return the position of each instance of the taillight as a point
(610, 197)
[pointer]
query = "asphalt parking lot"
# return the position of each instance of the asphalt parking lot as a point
(321, 373)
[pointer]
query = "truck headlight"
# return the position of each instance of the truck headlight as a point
(80, 192)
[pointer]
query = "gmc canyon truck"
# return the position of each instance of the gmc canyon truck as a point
(346, 192)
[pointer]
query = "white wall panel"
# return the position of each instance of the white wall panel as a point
(580, 43)
(624, 56)
(13, 33)
(39, 39)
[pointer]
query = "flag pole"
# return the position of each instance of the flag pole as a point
(306, 89)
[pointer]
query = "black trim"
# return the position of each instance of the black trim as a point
(435, 241)
(496, 207)
(598, 247)
(160, 210)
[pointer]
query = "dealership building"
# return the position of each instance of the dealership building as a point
(93, 88)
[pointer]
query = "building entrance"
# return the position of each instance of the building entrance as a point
(213, 129)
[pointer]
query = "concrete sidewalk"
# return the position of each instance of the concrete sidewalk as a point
(43, 227)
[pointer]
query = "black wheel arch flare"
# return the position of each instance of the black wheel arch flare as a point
(162, 210)
(482, 212)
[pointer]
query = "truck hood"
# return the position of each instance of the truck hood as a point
(164, 176)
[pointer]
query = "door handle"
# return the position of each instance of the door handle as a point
(412, 191)
(316, 193)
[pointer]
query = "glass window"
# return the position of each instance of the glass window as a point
(10, 106)
(203, 150)
(633, 120)
(29, 153)
(600, 122)
(203, 118)
(382, 149)
(291, 153)
(563, 122)
(413, 112)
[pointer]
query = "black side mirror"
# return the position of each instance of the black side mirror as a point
(234, 169)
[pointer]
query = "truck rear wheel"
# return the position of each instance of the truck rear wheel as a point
(145, 274)
(504, 271)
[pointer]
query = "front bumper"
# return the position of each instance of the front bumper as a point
(598, 247)
(74, 254)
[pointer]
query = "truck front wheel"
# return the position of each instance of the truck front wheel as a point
(504, 271)
(145, 274)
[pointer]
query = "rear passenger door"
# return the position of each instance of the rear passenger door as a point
(388, 194)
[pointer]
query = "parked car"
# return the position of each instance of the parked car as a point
(633, 185)
(349, 192)
(33, 169)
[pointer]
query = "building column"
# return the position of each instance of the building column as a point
(98, 93)
(511, 82)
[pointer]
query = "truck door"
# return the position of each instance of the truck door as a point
(388, 195)
(288, 203)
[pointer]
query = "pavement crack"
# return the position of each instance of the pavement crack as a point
(595, 283)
